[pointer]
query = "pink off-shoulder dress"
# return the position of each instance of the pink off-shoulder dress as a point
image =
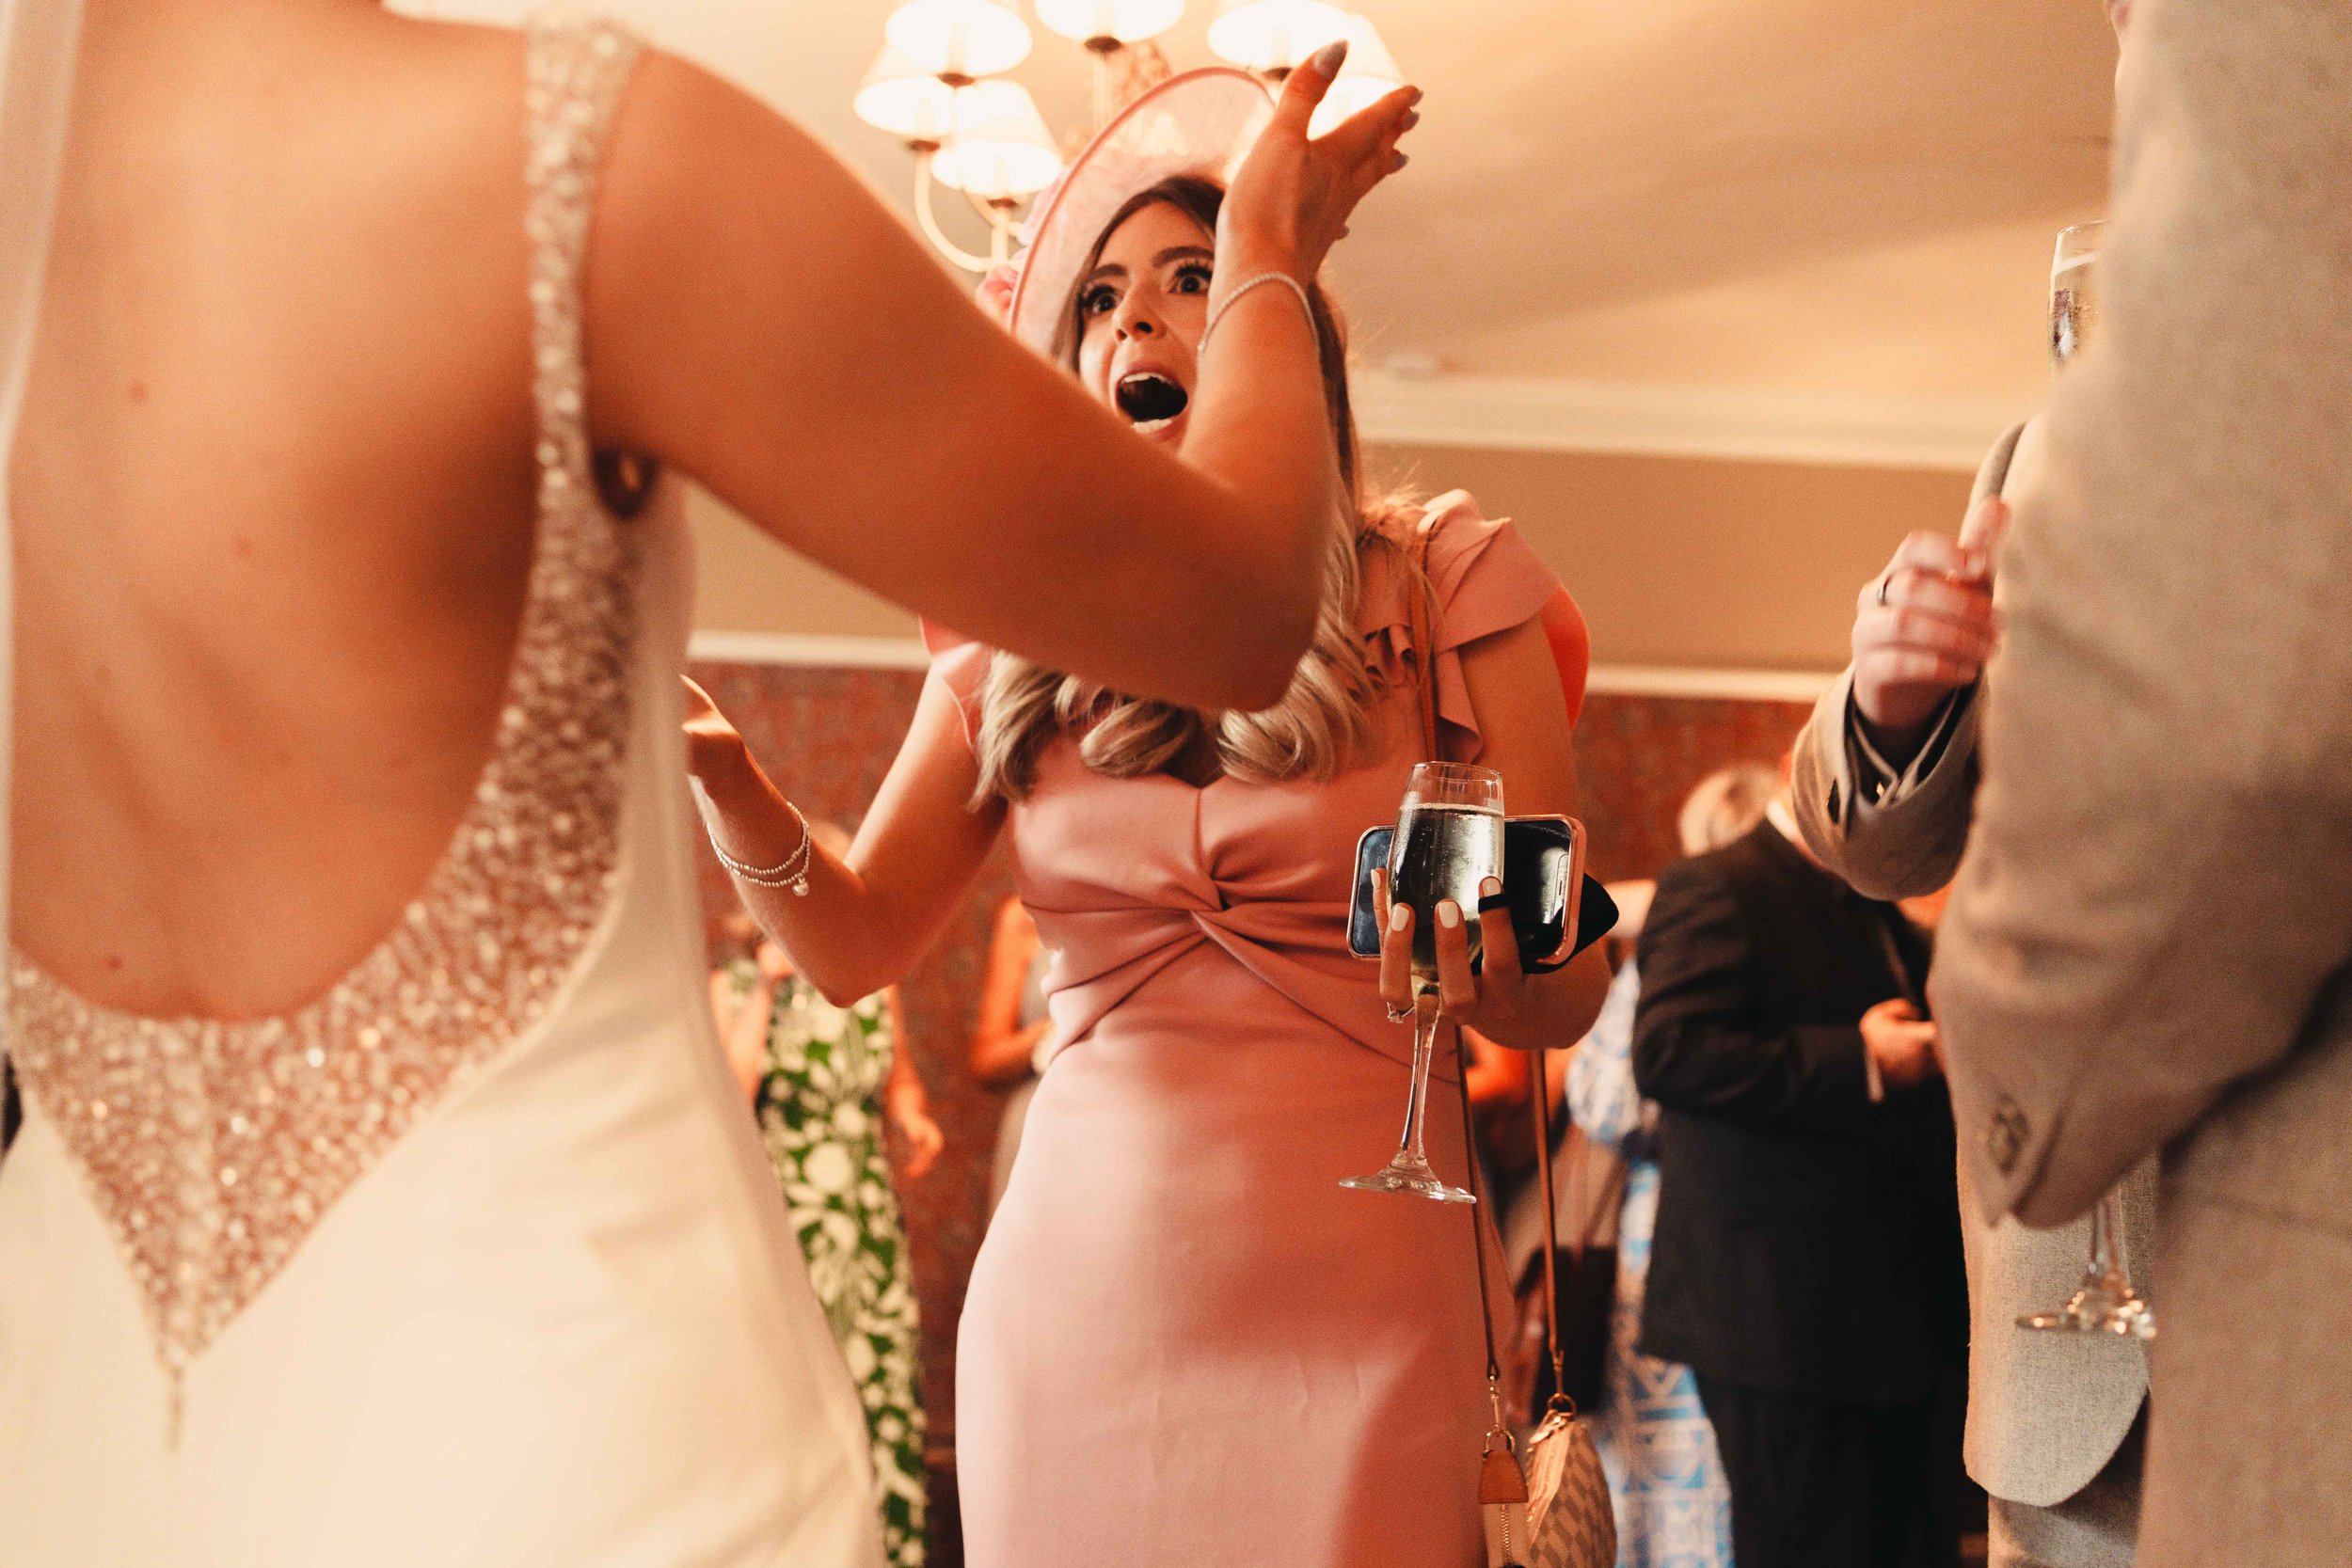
(1183, 1344)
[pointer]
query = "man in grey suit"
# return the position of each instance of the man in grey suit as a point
(1883, 783)
(1884, 778)
(2149, 947)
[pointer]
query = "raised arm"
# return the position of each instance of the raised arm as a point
(1883, 776)
(865, 920)
(759, 321)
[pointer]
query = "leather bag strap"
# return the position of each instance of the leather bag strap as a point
(1420, 620)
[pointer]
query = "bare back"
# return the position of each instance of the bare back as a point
(272, 496)
(273, 483)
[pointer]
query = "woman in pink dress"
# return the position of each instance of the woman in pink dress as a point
(1184, 1342)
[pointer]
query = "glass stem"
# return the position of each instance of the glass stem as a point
(2107, 1242)
(1417, 1099)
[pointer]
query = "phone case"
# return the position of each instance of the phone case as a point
(1543, 877)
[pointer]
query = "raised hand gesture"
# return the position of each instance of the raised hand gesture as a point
(1290, 201)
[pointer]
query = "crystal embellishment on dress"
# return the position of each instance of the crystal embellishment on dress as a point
(213, 1150)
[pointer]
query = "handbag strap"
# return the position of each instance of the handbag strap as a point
(1420, 620)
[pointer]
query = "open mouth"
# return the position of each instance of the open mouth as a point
(1149, 401)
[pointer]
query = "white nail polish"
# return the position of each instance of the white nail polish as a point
(1398, 916)
(1449, 914)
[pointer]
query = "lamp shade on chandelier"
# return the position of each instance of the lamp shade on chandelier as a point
(959, 39)
(1273, 36)
(1097, 23)
(938, 86)
(999, 148)
(903, 99)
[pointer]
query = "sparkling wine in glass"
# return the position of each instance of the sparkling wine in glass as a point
(2105, 1302)
(1449, 841)
(2074, 291)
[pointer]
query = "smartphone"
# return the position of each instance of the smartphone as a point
(1556, 909)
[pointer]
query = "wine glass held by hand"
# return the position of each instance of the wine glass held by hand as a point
(1446, 857)
(1449, 950)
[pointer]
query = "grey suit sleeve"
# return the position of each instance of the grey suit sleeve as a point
(1892, 832)
(1892, 836)
(2160, 887)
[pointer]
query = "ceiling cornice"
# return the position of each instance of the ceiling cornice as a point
(1533, 414)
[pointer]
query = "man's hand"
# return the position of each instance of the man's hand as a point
(1923, 630)
(1902, 1044)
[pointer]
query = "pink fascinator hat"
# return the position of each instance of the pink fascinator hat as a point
(1204, 122)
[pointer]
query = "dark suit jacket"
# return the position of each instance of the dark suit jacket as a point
(1807, 1238)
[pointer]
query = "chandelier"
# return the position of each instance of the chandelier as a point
(940, 86)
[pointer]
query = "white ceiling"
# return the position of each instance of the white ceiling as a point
(1820, 205)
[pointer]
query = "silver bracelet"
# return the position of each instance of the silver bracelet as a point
(791, 872)
(1230, 300)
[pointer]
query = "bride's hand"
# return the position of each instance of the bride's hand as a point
(1290, 201)
(1495, 1002)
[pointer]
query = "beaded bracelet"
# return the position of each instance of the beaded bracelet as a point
(1230, 300)
(791, 872)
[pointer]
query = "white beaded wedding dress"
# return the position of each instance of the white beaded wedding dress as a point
(476, 1260)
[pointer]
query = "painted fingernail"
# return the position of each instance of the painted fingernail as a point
(1412, 120)
(1327, 58)
(1491, 886)
(1449, 914)
(1400, 916)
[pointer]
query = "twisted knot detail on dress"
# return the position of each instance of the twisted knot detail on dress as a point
(1143, 872)
(213, 1150)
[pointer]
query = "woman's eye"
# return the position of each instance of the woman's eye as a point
(1097, 300)
(1193, 279)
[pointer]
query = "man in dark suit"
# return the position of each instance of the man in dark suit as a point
(1806, 1264)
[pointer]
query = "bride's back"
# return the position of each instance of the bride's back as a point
(272, 496)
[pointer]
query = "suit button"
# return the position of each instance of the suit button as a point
(2005, 1139)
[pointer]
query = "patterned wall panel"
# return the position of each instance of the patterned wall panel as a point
(827, 736)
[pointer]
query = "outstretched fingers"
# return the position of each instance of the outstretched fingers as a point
(1303, 88)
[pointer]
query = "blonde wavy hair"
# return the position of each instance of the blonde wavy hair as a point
(1323, 720)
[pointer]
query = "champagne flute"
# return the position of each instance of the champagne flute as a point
(2105, 1302)
(1449, 841)
(2074, 291)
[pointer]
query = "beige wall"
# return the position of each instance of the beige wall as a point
(1690, 562)
(1701, 562)
(748, 582)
